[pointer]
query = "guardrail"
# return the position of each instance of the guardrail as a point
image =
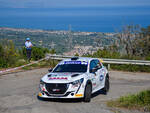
(20, 67)
(106, 60)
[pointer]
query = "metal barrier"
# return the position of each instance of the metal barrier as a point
(106, 60)
(13, 69)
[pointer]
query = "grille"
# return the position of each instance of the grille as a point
(56, 88)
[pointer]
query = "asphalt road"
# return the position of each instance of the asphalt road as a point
(18, 94)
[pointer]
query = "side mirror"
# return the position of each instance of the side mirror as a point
(50, 70)
(93, 70)
(100, 67)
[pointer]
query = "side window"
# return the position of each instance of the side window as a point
(93, 64)
(98, 64)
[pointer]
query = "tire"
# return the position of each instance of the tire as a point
(87, 93)
(107, 86)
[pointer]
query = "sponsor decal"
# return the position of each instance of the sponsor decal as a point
(43, 89)
(53, 75)
(78, 95)
(75, 86)
(85, 63)
(101, 77)
(82, 86)
(103, 71)
(66, 74)
(101, 60)
(93, 79)
(40, 94)
(56, 90)
(58, 78)
(94, 84)
(74, 62)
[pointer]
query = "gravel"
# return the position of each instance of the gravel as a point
(18, 94)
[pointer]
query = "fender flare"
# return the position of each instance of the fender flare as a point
(107, 75)
(88, 82)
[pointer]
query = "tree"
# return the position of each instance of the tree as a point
(143, 44)
(127, 37)
(8, 54)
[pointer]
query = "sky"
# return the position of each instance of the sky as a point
(70, 3)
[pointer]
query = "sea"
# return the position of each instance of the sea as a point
(89, 19)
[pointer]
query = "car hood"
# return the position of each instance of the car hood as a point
(61, 77)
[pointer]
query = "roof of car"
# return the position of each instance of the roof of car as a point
(80, 59)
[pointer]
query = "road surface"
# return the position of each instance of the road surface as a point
(18, 93)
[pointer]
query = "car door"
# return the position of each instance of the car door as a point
(99, 73)
(94, 73)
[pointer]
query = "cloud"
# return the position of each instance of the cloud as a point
(70, 3)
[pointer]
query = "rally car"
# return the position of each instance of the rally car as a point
(77, 77)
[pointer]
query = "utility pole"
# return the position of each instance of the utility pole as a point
(52, 45)
(70, 37)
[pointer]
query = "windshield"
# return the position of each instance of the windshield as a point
(71, 67)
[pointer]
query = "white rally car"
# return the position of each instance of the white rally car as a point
(77, 77)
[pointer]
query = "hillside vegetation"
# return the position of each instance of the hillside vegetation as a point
(132, 42)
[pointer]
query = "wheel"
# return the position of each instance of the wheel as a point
(106, 87)
(87, 93)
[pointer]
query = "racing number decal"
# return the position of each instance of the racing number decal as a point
(93, 81)
(101, 77)
(103, 74)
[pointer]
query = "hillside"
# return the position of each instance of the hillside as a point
(62, 41)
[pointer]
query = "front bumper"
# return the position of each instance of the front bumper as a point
(70, 92)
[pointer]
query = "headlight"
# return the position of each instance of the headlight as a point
(77, 82)
(42, 82)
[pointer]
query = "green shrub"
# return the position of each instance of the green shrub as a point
(148, 57)
(3, 63)
(37, 53)
(11, 57)
(132, 68)
(139, 101)
(8, 54)
(105, 54)
(49, 63)
(52, 51)
(124, 67)
(46, 63)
